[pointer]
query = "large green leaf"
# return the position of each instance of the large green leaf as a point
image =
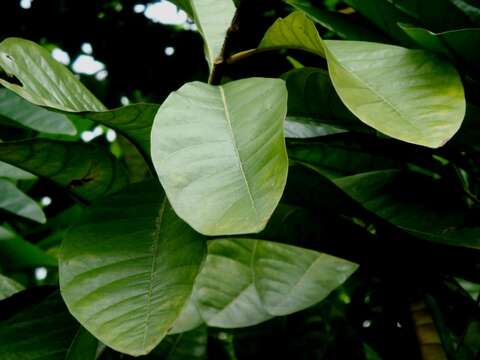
(44, 81)
(40, 332)
(410, 95)
(17, 253)
(83, 347)
(219, 152)
(8, 287)
(454, 44)
(213, 18)
(184, 5)
(28, 115)
(431, 212)
(295, 31)
(87, 170)
(129, 293)
(340, 24)
(246, 281)
(16, 202)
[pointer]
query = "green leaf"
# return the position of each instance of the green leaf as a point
(295, 31)
(189, 345)
(289, 279)
(430, 212)
(133, 121)
(410, 95)
(130, 293)
(87, 170)
(40, 332)
(8, 287)
(45, 82)
(213, 18)
(12, 172)
(185, 6)
(219, 152)
(454, 44)
(16, 202)
(17, 253)
(303, 128)
(385, 16)
(83, 347)
(53, 86)
(246, 281)
(340, 24)
(472, 11)
(24, 113)
(311, 95)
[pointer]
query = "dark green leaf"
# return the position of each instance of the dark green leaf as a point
(83, 347)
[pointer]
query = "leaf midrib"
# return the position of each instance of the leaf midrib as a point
(235, 148)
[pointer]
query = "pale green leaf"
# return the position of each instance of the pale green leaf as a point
(130, 293)
(83, 347)
(17, 253)
(296, 31)
(40, 332)
(303, 128)
(28, 115)
(87, 170)
(289, 279)
(8, 287)
(45, 82)
(18, 203)
(219, 152)
(213, 18)
(245, 281)
(410, 95)
(12, 172)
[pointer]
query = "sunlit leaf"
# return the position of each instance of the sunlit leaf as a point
(219, 152)
(246, 281)
(129, 293)
(213, 18)
(16, 202)
(8, 287)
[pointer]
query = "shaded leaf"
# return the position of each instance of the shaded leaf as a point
(16, 202)
(453, 44)
(219, 152)
(410, 95)
(385, 16)
(430, 212)
(40, 332)
(88, 171)
(83, 347)
(28, 115)
(186, 346)
(129, 293)
(17, 253)
(340, 24)
(8, 287)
